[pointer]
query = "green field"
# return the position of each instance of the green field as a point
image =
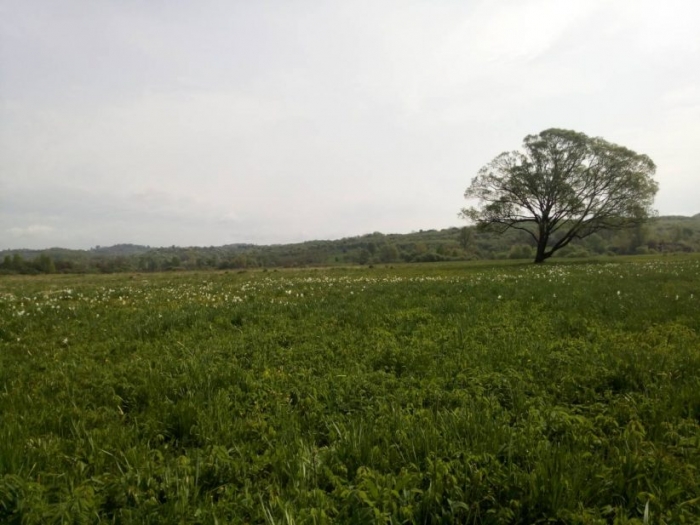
(558, 393)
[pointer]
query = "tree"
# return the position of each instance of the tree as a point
(465, 237)
(17, 262)
(364, 256)
(45, 264)
(389, 253)
(563, 186)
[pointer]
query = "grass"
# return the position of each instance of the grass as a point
(457, 393)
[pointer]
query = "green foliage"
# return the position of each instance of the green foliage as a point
(520, 251)
(466, 243)
(436, 394)
(563, 186)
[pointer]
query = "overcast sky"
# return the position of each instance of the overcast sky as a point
(215, 122)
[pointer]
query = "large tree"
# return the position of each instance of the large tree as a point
(562, 186)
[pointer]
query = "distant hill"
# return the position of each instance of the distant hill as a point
(659, 235)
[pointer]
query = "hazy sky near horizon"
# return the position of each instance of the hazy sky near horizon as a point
(215, 122)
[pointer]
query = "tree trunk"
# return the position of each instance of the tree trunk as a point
(541, 248)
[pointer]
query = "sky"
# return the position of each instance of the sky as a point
(200, 123)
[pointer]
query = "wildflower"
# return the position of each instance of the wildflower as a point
(65, 341)
(499, 297)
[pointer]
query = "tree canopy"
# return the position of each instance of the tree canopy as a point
(563, 186)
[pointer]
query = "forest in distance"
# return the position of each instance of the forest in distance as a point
(668, 234)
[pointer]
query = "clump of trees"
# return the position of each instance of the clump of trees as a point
(17, 264)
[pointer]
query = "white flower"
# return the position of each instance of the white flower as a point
(65, 341)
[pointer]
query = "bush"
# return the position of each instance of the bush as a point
(520, 251)
(429, 257)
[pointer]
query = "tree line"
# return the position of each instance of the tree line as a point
(659, 235)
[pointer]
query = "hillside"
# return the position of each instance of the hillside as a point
(660, 235)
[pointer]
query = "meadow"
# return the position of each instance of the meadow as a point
(453, 393)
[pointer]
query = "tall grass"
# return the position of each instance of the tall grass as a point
(457, 394)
